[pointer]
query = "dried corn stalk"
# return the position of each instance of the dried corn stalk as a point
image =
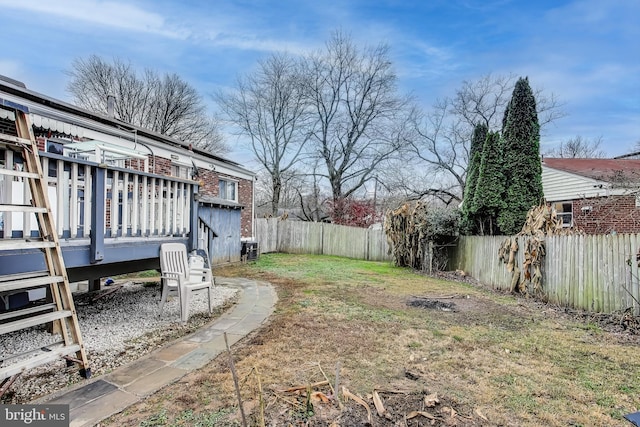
(407, 230)
(542, 221)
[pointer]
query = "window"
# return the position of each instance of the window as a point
(180, 171)
(564, 211)
(227, 189)
(55, 147)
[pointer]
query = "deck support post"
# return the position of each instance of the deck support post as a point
(97, 215)
(94, 285)
(193, 220)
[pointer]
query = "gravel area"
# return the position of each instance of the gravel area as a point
(119, 324)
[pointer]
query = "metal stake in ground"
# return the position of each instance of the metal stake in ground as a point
(235, 380)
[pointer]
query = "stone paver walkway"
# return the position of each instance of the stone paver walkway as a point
(91, 402)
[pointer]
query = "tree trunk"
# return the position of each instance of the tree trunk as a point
(275, 198)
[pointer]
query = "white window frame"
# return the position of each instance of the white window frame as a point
(228, 181)
(565, 217)
(180, 171)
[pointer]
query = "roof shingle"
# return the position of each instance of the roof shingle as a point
(608, 170)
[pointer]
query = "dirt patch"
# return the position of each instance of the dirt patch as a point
(389, 408)
(432, 304)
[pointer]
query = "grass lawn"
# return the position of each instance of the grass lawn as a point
(492, 359)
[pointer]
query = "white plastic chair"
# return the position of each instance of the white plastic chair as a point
(181, 277)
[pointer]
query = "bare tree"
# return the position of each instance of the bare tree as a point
(268, 106)
(164, 104)
(292, 180)
(441, 136)
(312, 200)
(358, 115)
(578, 147)
(481, 101)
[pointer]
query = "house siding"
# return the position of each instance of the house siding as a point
(563, 186)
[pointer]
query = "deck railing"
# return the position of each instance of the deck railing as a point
(87, 198)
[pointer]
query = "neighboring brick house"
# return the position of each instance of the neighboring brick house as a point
(226, 188)
(598, 196)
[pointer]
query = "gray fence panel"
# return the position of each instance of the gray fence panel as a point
(267, 234)
(299, 237)
(589, 272)
(350, 242)
(274, 235)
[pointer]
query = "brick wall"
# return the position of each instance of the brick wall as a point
(208, 182)
(160, 166)
(603, 215)
(41, 141)
(209, 186)
(135, 164)
(8, 127)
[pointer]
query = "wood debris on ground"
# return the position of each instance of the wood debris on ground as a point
(317, 403)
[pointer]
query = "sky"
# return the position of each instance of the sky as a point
(585, 52)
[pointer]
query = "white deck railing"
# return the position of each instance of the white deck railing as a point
(131, 203)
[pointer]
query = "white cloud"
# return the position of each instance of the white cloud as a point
(104, 13)
(253, 42)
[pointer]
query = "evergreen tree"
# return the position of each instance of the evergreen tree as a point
(480, 132)
(521, 154)
(506, 114)
(488, 200)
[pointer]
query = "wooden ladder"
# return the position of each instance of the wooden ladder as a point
(59, 309)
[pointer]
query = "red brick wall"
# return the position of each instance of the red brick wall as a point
(135, 164)
(209, 186)
(208, 182)
(160, 166)
(607, 214)
(41, 141)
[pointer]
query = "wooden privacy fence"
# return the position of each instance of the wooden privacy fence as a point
(300, 237)
(598, 273)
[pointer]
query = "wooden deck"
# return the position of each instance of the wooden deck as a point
(111, 219)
